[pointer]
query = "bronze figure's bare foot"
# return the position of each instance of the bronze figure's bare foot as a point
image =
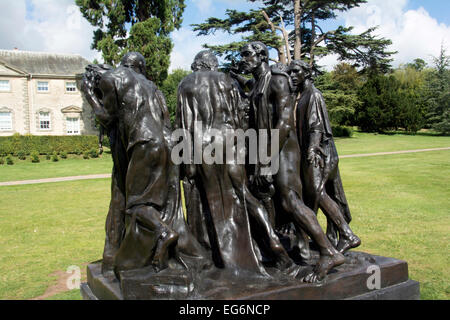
(325, 264)
(166, 239)
(346, 244)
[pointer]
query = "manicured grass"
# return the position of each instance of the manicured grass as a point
(76, 165)
(46, 228)
(72, 166)
(400, 206)
(372, 143)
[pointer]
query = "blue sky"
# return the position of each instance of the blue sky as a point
(438, 9)
(416, 27)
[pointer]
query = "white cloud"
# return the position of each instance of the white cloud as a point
(47, 25)
(187, 45)
(205, 6)
(414, 33)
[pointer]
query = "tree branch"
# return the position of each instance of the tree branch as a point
(281, 53)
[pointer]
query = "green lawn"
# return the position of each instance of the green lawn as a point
(400, 206)
(47, 228)
(72, 166)
(372, 143)
(75, 165)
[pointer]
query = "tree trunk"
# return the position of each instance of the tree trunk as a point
(313, 39)
(280, 49)
(298, 32)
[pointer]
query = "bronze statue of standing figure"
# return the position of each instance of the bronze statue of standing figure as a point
(226, 237)
(320, 172)
(271, 99)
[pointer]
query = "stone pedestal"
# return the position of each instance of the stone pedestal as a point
(355, 280)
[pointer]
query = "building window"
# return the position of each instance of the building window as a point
(71, 86)
(73, 126)
(5, 86)
(42, 86)
(44, 120)
(5, 121)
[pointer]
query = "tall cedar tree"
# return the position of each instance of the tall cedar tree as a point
(135, 25)
(308, 40)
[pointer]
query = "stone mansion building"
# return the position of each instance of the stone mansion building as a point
(39, 94)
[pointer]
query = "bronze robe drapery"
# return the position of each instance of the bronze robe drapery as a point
(213, 99)
(145, 171)
(312, 116)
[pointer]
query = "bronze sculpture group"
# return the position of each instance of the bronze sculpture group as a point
(239, 216)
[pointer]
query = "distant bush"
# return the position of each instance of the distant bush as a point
(9, 160)
(26, 144)
(63, 155)
(55, 157)
(21, 155)
(342, 131)
(35, 157)
(85, 155)
(2, 161)
(93, 153)
(48, 157)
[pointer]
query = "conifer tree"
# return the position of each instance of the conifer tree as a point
(308, 40)
(135, 25)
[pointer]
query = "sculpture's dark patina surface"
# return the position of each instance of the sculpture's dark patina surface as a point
(231, 241)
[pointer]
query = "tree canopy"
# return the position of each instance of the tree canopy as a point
(308, 40)
(135, 25)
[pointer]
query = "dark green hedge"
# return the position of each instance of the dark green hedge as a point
(27, 144)
(342, 131)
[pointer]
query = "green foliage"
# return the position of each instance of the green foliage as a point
(21, 155)
(55, 157)
(63, 155)
(48, 157)
(2, 161)
(340, 91)
(156, 49)
(380, 99)
(364, 50)
(45, 144)
(9, 160)
(393, 101)
(169, 89)
(35, 157)
(93, 153)
(342, 131)
(411, 115)
(251, 23)
(438, 97)
(86, 155)
(151, 22)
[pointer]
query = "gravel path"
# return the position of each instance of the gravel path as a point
(105, 176)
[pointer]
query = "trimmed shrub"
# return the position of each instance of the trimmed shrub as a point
(46, 144)
(342, 131)
(35, 157)
(93, 153)
(85, 155)
(9, 160)
(55, 157)
(2, 161)
(48, 157)
(63, 155)
(21, 155)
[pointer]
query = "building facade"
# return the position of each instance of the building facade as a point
(40, 94)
